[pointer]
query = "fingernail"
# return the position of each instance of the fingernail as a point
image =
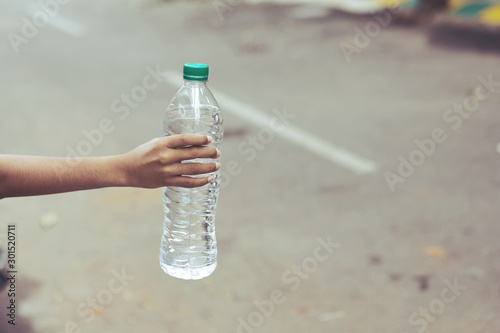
(218, 152)
(209, 139)
(217, 166)
(210, 179)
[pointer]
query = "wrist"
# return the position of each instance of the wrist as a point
(118, 172)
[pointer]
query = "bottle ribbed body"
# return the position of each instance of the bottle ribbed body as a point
(188, 243)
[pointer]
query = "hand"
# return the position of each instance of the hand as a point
(157, 163)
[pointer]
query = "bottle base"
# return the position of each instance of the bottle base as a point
(189, 273)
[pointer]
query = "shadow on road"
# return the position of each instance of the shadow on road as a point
(469, 38)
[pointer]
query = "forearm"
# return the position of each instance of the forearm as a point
(32, 175)
(156, 163)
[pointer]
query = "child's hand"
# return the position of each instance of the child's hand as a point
(157, 163)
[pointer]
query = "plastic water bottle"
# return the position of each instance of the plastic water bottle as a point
(188, 245)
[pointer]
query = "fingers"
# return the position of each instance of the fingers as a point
(179, 169)
(195, 152)
(183, 140)
(188, 181)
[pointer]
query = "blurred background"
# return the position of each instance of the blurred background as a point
(373, 208)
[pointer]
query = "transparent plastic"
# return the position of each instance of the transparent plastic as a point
(188, 243)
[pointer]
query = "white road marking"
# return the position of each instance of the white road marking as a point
(309, 142)
(57, 21)
(65, 25)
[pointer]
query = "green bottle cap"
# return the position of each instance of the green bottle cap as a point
(196, 72)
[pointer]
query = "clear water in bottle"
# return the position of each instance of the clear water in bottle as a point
(188, 244)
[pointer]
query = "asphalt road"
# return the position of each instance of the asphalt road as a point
(371, 207)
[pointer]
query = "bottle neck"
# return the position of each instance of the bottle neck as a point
(195, 84)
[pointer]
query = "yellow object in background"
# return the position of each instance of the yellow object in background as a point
(391, 3)
(456, 4)
(490, 15)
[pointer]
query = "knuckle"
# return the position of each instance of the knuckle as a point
(168, 172)
(163, 158)
(184, 138)
(192, 168)
(196, 151)
(161, 142)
